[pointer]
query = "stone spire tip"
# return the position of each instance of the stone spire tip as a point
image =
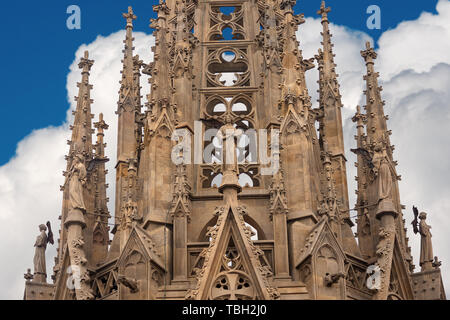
(130, 16)
(369, 54)
(324, 11)
(85, 63)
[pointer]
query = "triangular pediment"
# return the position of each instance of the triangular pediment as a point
(330, 97)
(273, 62)
(140, 241)
(127, 101)
(279, 204)
(62, 291)
(320, 235)
(292, 123)
(180, 208)
(179, 65)
(233, 267)
(100, 232)
(400, 286)
(163, 126)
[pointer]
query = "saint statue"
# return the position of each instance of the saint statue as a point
(229, 135)
(129, 215)
(426, 247)
(40, 268)
(230, 166)
(76, 180)
(383, 180)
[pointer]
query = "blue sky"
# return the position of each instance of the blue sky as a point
(38, 50)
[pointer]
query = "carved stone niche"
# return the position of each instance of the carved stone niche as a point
(133, 276)
(321, 266)
(328, 273)
(138, 276)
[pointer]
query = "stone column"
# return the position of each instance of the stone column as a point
(278, 211)
(180, 247)
(281, 245)
(74, 224)
(385, 251)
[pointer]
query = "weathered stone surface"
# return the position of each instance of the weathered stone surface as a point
(195, 230)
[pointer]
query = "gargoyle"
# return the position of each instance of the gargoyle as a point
(331, 279)
(129, 283)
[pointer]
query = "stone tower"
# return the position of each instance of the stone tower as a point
(225, 189)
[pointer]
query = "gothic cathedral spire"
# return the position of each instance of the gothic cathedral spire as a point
(250, 218)
(129, 117)
(80, 143)
(331, 132)
(330, 107)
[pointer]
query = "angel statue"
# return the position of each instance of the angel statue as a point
(426, 246)
(77, 179)
(40, 269)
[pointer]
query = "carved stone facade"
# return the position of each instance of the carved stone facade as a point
(222, 228)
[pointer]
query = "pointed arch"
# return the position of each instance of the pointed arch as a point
(230, 239)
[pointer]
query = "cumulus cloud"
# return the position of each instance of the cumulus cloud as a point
(29, 196)
(420, 112)
(418, 45)
(415, 72)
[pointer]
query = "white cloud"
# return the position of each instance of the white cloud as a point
(29, 196)
(413, 62)
(419, 44)
(420, 112)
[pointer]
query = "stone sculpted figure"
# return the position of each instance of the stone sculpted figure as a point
(229, 135)
(40, 269)
(230, 167)
(76, 180)
(383, 179)
(426, 247)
